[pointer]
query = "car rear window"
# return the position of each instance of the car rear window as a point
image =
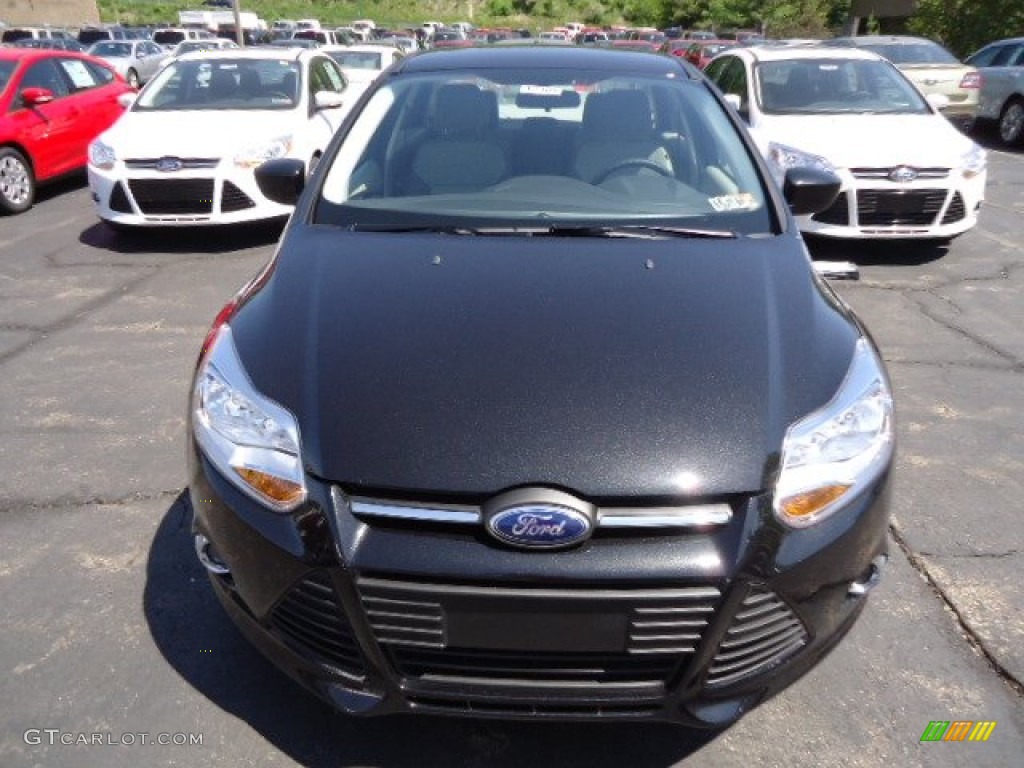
(90, 36)
(913, 53)
(12, 35)
(168, 37)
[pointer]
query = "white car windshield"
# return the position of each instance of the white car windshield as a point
(836, 86)
(112, 50)
(358, 59)
(544, 148)
(207, 84)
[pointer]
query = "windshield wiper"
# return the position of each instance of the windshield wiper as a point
(641, 231)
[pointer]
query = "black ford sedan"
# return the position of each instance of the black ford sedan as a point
(540, 409)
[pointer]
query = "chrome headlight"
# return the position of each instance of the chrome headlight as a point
(781, 158)
(101, 155)
(260, 153)
(252, 440)
(973, 162)
(830, 455)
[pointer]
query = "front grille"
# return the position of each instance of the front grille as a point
(957, 211)
(554, 710)
(544, 636)
(838, 213)
(187, 163)
(916, 207)
(234, 199)
(883, 173)
(119, 200)
(173, 196)
(764, 632)
(309, 620)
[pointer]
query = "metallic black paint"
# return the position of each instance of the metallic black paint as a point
(609, 379)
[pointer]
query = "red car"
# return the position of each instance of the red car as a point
(702, 51)
(52, 104)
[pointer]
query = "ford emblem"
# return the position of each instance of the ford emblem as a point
(169, 164)
(902, 174)
(541, 526)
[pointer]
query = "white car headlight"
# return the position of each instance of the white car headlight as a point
(260, 153)
(781, 158)
(973, 162)
(829, 456)
(102, 155)
(252, 440)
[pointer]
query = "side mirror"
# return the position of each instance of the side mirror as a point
(127, 98)
(328, 100)
(810, 190)
(33, 97)
(938, 100)
(282, 180)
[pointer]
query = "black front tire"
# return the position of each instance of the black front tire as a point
(17, 181)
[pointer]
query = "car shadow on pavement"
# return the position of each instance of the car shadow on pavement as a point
(196, 637)
(61, 186)
(186, 240)
(867, 252)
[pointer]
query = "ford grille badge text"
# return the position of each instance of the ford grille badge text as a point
(169, 164)
(902, 174)
(541, 519)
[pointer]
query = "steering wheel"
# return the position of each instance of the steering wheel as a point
(636, 162)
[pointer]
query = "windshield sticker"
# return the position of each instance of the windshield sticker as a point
(541, 90)
(78, 73)
(744, 201)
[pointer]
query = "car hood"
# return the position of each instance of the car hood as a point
(199, 133)
(869, 141)
(468, 365)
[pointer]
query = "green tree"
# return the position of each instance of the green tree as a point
(963, 26)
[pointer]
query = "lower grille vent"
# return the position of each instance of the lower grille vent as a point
(309, 619)
(764, 632)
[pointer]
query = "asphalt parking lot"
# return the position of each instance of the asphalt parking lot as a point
(112, 637)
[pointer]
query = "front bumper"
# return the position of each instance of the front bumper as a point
(382, 616)
(210, 192)
(939, 204)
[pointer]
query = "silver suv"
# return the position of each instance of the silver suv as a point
(1002, 91)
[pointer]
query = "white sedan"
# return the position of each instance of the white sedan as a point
(134, 60)
(362, 64)
(906, 171)
(185, 151)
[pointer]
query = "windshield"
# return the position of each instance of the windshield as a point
(530, 149)
(112, 50)
(6, 68)
(836, 86)
(222, 84)
(924, 52)
(357, 59)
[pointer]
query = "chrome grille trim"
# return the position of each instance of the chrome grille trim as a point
(187, 163)
(696, 516)
(883, 173)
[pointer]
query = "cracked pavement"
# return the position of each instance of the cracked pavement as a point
(110, 627)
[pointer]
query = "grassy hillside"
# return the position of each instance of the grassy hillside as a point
(384, 12)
